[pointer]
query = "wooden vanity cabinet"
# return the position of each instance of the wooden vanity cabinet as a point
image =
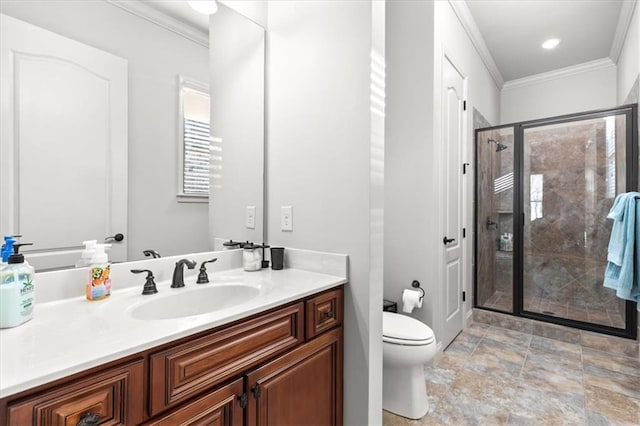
(111, 397)
(282, 367)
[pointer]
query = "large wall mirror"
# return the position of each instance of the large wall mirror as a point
(91, 126)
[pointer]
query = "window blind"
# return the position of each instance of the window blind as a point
(197, 153)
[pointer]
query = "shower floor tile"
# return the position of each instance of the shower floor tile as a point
(605, 315)
(493, 376)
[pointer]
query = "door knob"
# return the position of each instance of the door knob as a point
(446, 240)
(118, 237)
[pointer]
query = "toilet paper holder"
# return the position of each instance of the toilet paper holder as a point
(416, 284)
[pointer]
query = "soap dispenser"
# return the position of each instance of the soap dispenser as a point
(7, 248)
(87, 253)
(251, 257)
(99, 269)
(17, 292)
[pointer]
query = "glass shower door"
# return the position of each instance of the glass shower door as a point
(572, 171)
(495, 156)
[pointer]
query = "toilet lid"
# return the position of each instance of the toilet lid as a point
(404, 330)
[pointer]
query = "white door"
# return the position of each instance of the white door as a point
(452, 113)
(63, 146)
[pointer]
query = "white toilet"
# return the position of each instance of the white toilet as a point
(407, 344)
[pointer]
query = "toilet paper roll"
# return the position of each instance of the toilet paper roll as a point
(411, 300)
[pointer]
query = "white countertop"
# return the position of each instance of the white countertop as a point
(71, 335)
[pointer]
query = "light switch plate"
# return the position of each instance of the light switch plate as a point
(250, 217)
(286, 218)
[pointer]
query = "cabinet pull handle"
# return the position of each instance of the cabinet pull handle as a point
(257, 391)
(89, 419)
(328, 314)
(242, 398)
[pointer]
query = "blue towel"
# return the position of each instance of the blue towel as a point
(622, 252)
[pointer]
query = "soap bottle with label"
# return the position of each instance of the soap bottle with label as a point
(17, 291)
(99, 270)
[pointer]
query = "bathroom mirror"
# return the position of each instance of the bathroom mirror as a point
(157, 50)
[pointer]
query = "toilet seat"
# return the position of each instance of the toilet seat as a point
(403, 330)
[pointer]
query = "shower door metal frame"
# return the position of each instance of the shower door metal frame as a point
(631, 184)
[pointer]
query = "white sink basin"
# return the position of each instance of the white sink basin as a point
(185, 303)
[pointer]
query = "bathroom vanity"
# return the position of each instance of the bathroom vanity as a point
(278, 363)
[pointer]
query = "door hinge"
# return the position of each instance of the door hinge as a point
(464, 296)
(464, 232)
(257, 391)
(464, 168)
(242, 398)
(464, 105)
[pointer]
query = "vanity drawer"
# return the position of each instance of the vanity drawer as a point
(324, 312)
(115, 395)
(184, 370)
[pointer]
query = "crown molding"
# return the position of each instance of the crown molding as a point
(624, 21)
(463, 13)
(559, 73)
(157, 17)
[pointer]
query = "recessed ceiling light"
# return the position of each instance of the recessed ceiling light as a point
(551, 43)
(208, 7)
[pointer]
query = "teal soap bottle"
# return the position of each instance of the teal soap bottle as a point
(17, 290)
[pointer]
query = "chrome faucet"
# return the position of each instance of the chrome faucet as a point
(178, 275)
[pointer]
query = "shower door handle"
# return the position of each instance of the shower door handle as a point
(446, 240)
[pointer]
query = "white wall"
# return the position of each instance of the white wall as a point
(418, 35)
(585, 87)
(629, 60)
(409, 151)
(156, 56)
(319, 157)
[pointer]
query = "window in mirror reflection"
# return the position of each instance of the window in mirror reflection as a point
(194, 141)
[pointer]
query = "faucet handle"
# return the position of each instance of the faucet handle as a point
(150, 284)
(203, 278)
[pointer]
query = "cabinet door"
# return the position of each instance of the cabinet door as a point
(218, 408)
(113, 397)
(301, 388)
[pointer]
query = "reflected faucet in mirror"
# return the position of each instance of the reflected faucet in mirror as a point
(151, 253)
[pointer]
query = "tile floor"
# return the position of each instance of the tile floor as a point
(493, 376)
